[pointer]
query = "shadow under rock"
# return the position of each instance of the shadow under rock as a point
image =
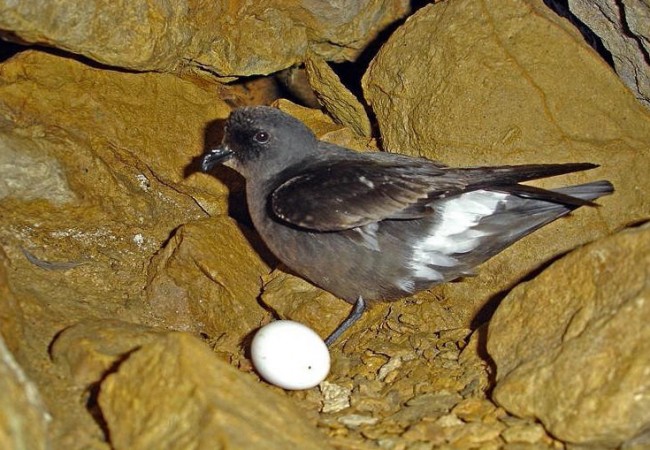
(237, 207)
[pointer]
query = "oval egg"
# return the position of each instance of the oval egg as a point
(290, 355)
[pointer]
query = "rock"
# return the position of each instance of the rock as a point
(23, 417)
(91, 348)
(294, 79)
(223, 38)
(357, 420)
(572, 346)
(339, 102)
(121, 143)
(12, 318)
(473, 409)
(318, 122)
(624, 28)
(150, 126)
(207, 279)
(293, 298)
(530, 433)
(174, 393)
(335, 397)
(513, 99)
(29, 173)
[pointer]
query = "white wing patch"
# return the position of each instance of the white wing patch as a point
(453, 232)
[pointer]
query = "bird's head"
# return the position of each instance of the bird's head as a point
(260, 141)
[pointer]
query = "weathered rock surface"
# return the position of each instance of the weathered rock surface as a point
(102, 185)
(339, 102)
(12, 318)
(572, 346)
(92, 347)
(624, 28)
(532, 91)
(175, 393)
(207, 279)
(223, 37)
(29, 173)
(23, 417)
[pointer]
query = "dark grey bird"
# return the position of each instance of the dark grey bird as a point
(380, 226)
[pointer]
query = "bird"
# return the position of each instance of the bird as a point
(379, 226)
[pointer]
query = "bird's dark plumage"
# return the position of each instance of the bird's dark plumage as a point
(381, 225)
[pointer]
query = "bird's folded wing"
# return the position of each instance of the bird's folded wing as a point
(339, 195)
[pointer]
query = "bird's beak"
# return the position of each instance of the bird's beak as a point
(218, 155)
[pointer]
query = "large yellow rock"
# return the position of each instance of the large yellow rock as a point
(509, 82)
(339, 102)
(88, 350)
(572, 346)
(207, 279)
(215, 37)
(175, 394)
(96, 180)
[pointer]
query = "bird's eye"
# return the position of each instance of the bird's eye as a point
(262, 137)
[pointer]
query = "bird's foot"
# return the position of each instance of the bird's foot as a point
(357, 311)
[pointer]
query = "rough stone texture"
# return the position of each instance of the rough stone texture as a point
(340, 103)
(531, 92)
(91, 348)
(12, 318)
(222, 37)
(72, 99)
(207, 279)
(23, 417)
(29, 172)
(121, 144)
(402, 383)
(293, 298)
(572, 347)
(624, 28)
(175, 393)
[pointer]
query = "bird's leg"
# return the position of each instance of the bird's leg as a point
(358, 309)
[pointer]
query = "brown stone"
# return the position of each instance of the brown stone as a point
(91, 348)
(103, 156)
(499, 89)
(23, 417)
(223, 38)
(12, 320)
(174, 393)
(207, 279)
(624, 29)
(339, 102)
(97, 176)
(572, 346)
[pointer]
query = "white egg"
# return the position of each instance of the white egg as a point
(290, 355)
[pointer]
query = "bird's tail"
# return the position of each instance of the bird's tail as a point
(525, 213)
(588, 191)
